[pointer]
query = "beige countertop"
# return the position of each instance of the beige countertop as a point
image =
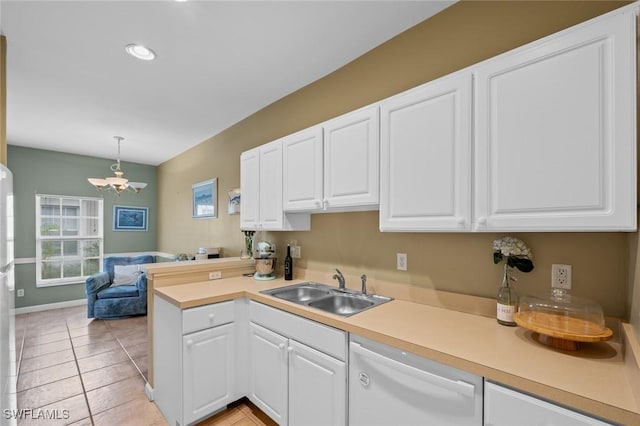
(595, 379)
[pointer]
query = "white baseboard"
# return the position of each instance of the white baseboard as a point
(50, 306)
(148, 390)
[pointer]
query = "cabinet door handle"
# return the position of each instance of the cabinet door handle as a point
(189, 343)
(290, 349)
(325, 204)
(212, 317)
(482, 220)
(281, 346)
(461, 221)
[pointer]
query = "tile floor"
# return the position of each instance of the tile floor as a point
(93, 372)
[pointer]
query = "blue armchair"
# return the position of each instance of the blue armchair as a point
(104, 300)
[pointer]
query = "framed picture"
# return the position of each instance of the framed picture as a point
(205, 199)
(130, 218)
(234, 201)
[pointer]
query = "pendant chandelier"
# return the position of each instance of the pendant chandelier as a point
(118, 183)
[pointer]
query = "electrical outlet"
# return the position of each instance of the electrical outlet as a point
(401, 260)
(561, 276)
(295, 252)
(215, 275)
(21, 292)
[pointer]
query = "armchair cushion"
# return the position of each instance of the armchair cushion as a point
(119, 291)
(125, 274)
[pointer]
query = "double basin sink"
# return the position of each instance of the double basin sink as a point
(326, 298)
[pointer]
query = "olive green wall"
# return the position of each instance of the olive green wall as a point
(466, 33)
(38, 171)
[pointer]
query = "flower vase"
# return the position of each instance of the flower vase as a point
(247, 252)
(507, 299)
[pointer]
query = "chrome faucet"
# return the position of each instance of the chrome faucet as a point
(340, 279)
(364, 283)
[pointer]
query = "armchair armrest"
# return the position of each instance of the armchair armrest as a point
(97, 282)
(141, 282)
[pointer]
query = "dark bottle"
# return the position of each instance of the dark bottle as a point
(288, 265)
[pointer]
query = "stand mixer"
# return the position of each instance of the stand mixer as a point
(265, 261)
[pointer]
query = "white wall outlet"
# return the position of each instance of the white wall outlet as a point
(20, 292)
(295, 252)
(401, 261)
(561, 276)
(215, 275)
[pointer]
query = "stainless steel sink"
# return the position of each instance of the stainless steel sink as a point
(300, 293)
(327, 298)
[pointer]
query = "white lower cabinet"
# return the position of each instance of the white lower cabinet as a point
(195, 370)
(292, 382)
(507, 407)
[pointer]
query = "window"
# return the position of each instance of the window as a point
(69, 239)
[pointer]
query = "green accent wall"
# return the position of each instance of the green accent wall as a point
(37, 171)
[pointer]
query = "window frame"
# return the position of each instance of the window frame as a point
(82, 216)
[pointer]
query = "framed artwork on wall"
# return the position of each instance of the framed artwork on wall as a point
(130, 218)
(205, 199)
(234, 201)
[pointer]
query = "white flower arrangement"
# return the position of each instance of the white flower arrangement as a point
(517, 253)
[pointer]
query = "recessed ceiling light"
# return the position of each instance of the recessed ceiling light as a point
(141, 52)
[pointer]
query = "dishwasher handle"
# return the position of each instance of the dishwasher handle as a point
(458, 386)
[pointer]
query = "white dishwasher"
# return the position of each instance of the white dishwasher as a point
(388, 386)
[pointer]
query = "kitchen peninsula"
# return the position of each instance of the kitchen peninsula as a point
(600, 379)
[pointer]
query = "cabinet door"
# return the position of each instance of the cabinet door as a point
(271, 214)
(351, 157)
(506, 407)
(556, 132)
(268, 372)
(425, 157)
(317, 387)
(208, 371)
(302, 180)
(250, 188)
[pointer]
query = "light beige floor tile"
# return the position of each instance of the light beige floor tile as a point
(41, 339)
(80, 321)
(92, 328)
(44, 328)
(47, 348)
(102, 360)
(107, 375)
(96, 348)
(226, 418)
(140, 349)
(142, 362)
(137, 412)
(47, 360)
(49, 393)
(83, 422)
(115, 394)
(92, 338)
(46, 375)
(60, 413)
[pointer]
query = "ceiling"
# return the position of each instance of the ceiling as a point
(71, 87)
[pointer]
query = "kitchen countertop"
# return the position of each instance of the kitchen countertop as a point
(595, 379)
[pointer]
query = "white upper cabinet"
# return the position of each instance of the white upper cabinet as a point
(351, 160)
(261, 186)
(555, 135)
(303, 170)
(334, 166)
(425, 157)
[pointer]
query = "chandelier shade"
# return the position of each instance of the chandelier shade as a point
(117, 183)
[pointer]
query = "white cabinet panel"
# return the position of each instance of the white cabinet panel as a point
(506, 407)
(303, 162)
(556, 133)
(351, 157)
(208, 371)
(250, 186)
(261, 185)
(317, 387)
(268, 372)
(425, 166)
